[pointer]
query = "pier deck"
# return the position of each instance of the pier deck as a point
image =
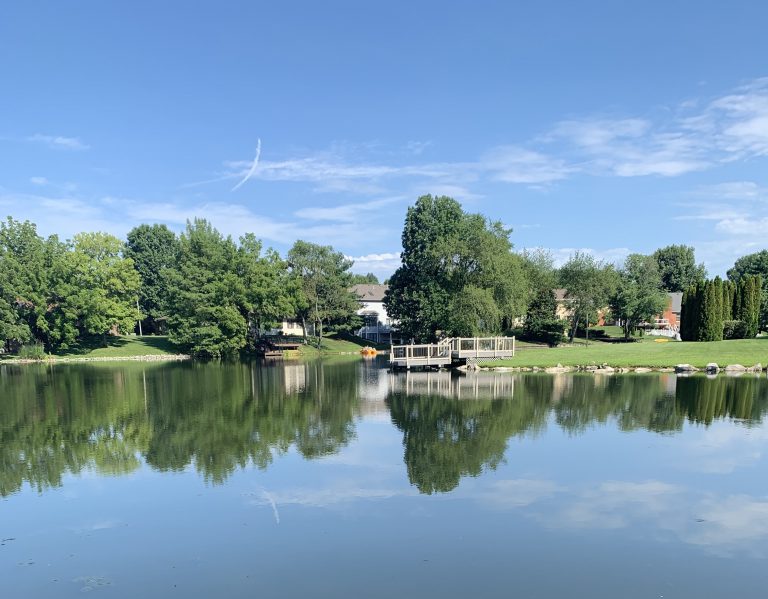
(453, 351)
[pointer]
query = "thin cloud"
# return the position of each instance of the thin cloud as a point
(59, 142)
(252, 169)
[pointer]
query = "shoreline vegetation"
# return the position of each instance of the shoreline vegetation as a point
(157, 348)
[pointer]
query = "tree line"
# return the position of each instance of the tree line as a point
(459, 276)
(206, 291)
(716, 310)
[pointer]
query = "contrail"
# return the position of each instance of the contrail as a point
(252, 170)
(274, 505)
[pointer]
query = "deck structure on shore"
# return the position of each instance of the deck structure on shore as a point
(453, 351)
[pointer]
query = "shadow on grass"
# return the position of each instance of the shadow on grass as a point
(90, 344)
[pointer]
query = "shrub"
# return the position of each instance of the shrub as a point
(545, 330)
(32, 351)
(734, 329)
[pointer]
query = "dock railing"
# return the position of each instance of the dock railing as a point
(452, 350)
(483, 347)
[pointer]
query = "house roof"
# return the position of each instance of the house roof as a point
(370, 293)
(675, 301)
(560, 294)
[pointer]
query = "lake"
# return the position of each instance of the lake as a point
(340, 479)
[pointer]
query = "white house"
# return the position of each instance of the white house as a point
(377, 326)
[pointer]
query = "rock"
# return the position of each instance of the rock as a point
(712, 368)
(605, 370)
(683, 368)
(642, 369)
(756, 368)
(591, 368)
(735, 368)
(557, 369)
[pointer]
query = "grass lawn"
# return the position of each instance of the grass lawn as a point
(120, 347)
(331, 344)
(647, 352)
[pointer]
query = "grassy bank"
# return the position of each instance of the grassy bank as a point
(121, 347)
(646, 353)
(113, 348)
(333, 345)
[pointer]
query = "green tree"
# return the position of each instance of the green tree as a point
(26, 270)
(367, 279)
(756, 265)
(94, 290)
(589, 284)
(747, 304)
(153, 249)
(450, 258)
(324, 280)
(678, 268)
(270, 292)
(208, 301)
(638, 296)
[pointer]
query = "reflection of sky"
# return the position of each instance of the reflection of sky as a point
(601, 514)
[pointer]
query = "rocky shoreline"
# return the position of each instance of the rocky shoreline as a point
(680, 369)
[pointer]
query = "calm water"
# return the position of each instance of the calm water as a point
(343, 480)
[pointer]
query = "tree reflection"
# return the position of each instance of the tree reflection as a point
(446, 438)
(216, 417)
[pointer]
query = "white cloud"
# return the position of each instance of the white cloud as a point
(38, 180)
(749, 227)
(348, 212)
(520, 492)
(58, 142)
(417, 147)
(513, 164)
(385, 263)
(609, 255)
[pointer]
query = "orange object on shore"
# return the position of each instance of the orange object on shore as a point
(368, 351)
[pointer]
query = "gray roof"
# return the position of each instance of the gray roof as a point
(675, 301)
(370, 293)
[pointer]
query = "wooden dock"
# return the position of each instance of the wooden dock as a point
(451, 352)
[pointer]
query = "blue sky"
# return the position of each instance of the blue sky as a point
(589, 125)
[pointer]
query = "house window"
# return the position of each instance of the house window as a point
(371, 319)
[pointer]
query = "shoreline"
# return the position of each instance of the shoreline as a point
(76, 359)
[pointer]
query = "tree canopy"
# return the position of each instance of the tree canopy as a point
(639, 296)
(153, 249)
(458, 274)
(323, 279)
(678, 268)
(589, 284)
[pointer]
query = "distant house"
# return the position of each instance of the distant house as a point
(564, 311)
(289, 327)
(670, 318)
(377, 326)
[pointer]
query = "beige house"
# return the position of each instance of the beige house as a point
(564, 310)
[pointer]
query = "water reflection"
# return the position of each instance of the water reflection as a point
(219, 418)
(56, 420)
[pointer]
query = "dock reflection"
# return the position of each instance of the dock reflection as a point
(472, 385)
